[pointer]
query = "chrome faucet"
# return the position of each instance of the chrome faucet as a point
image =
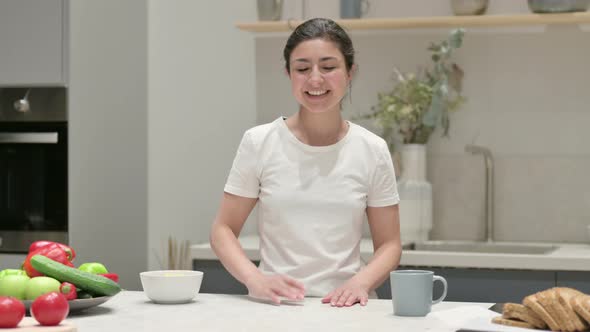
(489, 194)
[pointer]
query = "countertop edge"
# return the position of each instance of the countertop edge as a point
(569, 257)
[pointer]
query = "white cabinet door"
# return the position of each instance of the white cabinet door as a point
(32, 42)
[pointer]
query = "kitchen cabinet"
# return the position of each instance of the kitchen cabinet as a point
(33, 37)
(465, 284)
(579, 280)
(485, 285)
(217, 280)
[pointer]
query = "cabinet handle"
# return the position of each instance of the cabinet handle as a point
(29, 138)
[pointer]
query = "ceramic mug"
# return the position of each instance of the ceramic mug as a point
(269, 10)
(353, 8)
(411, 291)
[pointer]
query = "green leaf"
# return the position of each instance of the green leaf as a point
(456, 39)
(456, 78)
(445, 123)
(444, 88)
(434, 113)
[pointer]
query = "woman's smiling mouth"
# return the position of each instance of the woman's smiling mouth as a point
(316, 93)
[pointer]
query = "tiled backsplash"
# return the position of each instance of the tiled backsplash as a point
(536, 198)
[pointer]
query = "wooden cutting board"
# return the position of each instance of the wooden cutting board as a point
(29, 324)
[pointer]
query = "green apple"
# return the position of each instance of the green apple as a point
(94, 267)
(14, 285)
(10, 272)
(39, 286)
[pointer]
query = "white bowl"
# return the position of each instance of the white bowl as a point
(171, 286)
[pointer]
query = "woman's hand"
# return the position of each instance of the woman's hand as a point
(273, 287)
(348, 294)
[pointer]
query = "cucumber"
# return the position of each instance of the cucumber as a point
(85, 280)
(82, 294)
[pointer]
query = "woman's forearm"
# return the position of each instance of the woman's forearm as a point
(385, 259)
(229, 251)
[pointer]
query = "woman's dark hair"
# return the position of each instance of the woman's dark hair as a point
(320, 28)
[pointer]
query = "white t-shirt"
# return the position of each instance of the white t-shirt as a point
(312, 200)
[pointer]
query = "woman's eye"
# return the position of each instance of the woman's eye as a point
(329, 68)
(301, 70)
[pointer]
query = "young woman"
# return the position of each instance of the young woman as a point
(314, 176)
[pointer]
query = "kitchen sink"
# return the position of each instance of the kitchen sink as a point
(482, 247)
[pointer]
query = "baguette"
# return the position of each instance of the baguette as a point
(521, 312)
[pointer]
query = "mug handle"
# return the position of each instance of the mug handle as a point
(444, 294)
(367, 5)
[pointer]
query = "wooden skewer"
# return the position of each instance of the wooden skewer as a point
(170, 253)
(186, 256)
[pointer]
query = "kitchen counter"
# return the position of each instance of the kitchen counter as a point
(133, 311)
(568, 257)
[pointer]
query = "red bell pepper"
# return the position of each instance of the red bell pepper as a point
(113, 276)
(53, 251)
(68, 290)
(40, 244)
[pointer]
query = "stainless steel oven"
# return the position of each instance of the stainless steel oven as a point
(33, 183)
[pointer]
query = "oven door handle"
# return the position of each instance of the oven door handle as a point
(29, 138)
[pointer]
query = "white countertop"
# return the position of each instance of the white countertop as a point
(568, 257)
(133, 311)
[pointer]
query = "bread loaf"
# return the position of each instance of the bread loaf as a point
(581, 305)
(533, 302)
(565, 296)
(558, 308)
(522, 313)
(511, 322)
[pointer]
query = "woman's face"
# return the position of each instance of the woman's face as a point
(318, 75)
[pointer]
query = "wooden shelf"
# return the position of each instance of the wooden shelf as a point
(430, 22)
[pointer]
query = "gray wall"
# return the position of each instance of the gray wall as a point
(11, 261)
(201, 99)
(108, 135)
(160, 94)
(527, 101)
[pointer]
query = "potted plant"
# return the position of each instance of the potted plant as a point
(409, 113)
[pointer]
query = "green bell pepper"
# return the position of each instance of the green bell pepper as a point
(96, 268)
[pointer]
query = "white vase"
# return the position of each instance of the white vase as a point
(415, 194)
